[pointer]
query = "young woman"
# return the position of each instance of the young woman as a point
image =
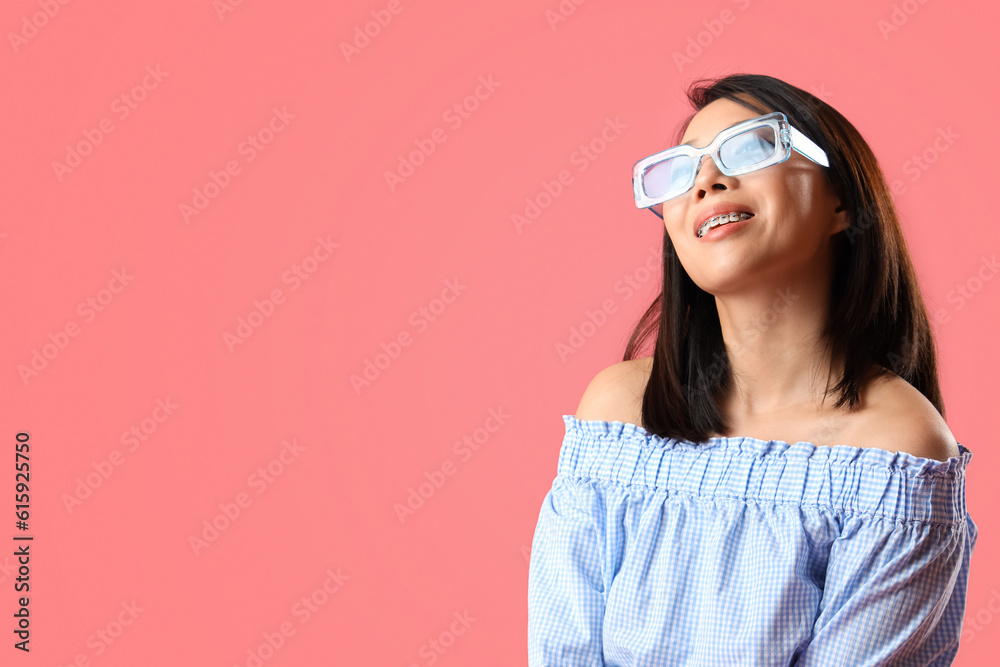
(776, 484)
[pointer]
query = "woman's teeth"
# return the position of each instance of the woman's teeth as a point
(721, 220)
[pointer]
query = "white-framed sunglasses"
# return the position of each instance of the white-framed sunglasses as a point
(747, 146)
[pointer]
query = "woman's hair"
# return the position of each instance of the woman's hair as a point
(877, 316)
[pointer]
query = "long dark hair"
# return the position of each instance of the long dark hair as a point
(877, 318)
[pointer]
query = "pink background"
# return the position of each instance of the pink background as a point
(124, 537)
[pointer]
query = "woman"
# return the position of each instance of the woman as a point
(714, 505)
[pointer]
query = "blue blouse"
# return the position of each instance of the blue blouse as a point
(739, 551)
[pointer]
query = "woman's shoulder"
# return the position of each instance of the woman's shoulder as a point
(896, 417)
(615, 393)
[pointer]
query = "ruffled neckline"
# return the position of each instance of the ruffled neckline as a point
(843, 454)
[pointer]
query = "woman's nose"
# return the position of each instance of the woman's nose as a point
(709, 177)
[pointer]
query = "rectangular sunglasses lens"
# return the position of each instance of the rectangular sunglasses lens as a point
(748, 148)
(667, 178)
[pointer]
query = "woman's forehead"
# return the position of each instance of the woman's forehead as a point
(714, 118)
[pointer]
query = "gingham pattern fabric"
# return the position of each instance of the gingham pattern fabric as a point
(738, 551)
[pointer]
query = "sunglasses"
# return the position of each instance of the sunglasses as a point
(747, 146)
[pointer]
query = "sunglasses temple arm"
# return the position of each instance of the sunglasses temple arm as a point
(807, 147)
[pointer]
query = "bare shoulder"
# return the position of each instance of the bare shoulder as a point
(615, 393)
(900, 419)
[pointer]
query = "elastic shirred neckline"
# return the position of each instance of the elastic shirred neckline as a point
(859, 481)
(867, 457)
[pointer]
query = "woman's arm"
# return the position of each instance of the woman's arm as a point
(566, 592)
(894, 594)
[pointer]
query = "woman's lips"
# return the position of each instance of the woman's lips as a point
(722, 231)
(718, 209)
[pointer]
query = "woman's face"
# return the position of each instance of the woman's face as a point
(793, 210)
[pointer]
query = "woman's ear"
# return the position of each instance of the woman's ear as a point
(841, 217)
